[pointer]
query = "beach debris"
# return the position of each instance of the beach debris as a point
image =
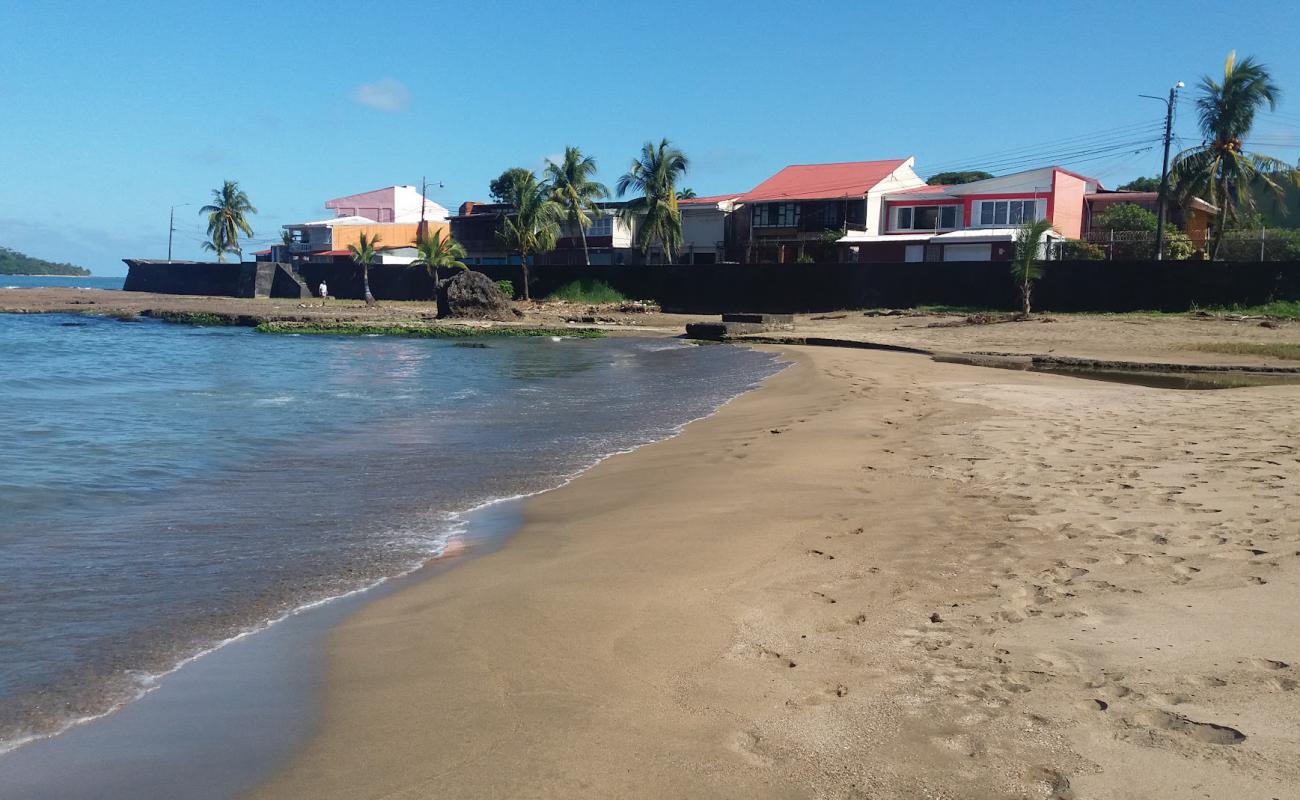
(473, 295)
(935, 617)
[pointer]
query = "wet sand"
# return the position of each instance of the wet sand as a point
(877, 576)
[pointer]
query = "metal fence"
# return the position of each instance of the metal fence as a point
(1265, 244)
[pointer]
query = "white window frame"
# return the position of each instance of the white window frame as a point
(897, 217)
(1010, 208)
(601, 226)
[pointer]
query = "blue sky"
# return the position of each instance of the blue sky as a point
(116, 111)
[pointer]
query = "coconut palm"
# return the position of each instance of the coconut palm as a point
(363, 252)
(227, 217)
(534, 226)
(686, 194)
(574, 187)
(1218, 169)
(1025, 264)
(654, 174)
(437, 251)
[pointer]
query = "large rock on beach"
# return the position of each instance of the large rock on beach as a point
(473, 295)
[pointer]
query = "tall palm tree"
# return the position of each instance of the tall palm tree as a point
(655, 174)
(437, 251)
(1219, 169)
(363, 252)
(1025, 264)
(574, 187)
(534, 226)
(226, 219)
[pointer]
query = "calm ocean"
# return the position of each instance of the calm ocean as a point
(84, 282)
(163, 488)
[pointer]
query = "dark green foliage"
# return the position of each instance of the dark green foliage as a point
(1125, 217)
(654, 175)
(954, 178)
(588, 291)
(1079, 250)
(13, 262)
(507, 288)
(418, 331)
(227, 218)
(502, 187)
(1141, 185)
(1219, 169)
(1026, 264)
(192, 318)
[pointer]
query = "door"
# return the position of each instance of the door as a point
(968, 252)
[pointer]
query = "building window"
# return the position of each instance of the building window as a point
(925, 218)
(1009, 212)
(601, 226)
(776, 215)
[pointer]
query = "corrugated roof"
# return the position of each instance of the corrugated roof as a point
(823, 181)
(712, 199)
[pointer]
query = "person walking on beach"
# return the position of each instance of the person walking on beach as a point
(324, 293)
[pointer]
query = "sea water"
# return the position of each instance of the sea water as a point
(164, 488)
(62, 281)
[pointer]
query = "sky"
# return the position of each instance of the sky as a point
(115, 112)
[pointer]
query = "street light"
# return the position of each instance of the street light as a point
(171, 227)
(1164, 168)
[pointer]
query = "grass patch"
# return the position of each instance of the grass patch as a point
(420, 331)
(1288, 352)
(191, 318)
(1279, 309)
(589, 291)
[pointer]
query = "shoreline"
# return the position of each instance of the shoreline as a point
(451, 553)
(792, 598)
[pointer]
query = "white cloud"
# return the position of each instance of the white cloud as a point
(386, 94)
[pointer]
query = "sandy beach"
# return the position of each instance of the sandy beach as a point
(875, 577)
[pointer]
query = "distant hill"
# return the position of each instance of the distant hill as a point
(13, 262)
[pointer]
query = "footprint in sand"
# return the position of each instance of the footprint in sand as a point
(1206, 732)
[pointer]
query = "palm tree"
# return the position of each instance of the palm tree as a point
(654, 174)
(363, 252)
(436, 251)
(226, 219)
(534, 226)
(1025, 265)
(574, 187)
(1218, 169)
(686, 194)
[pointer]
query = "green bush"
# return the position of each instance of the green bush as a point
(507, 288)
(588, 291)
(1079, 250)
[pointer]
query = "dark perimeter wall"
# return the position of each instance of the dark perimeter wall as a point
(1065, 286)
(776, 288)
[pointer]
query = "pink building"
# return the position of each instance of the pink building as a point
(974, 221)
(390, 204)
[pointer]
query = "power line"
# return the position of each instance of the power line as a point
(1054, 145)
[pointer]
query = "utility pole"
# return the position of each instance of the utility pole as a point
(1161, 198)
(171, 228)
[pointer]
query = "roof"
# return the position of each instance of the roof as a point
(982, 235)
(332, 221)
(923, 192)
(265, 252)
(712, 199)
(824, 181)
(861, 237)
(1120, 196)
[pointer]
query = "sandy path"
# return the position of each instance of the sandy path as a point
(877, 577)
